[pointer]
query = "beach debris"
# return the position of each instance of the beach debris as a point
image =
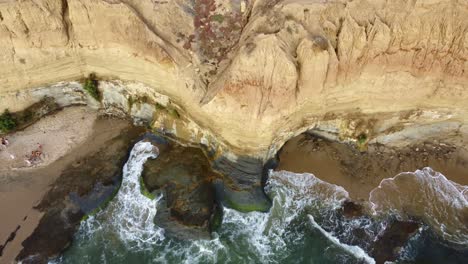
(35, 157)
(3, 143)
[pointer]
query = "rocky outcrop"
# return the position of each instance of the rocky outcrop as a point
(253, 72)
(83, 188)
(185, 178)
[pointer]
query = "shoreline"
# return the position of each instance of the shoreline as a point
(420, 185)
(77, 132)
(370, 96)
(358, 168)
(359, 172)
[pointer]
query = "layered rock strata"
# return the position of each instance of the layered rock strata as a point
(254, 73)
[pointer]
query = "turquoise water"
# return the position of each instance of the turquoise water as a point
(304, 225)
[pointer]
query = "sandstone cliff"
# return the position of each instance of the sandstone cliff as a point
(254, 72)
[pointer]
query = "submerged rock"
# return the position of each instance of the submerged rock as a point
(352, 209)
(386, 247)
(382, 238)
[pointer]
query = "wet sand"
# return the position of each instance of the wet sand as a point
(360, 172)
(66, 136)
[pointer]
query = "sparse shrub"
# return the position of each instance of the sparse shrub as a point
(91, 85)
(7, 122)
(361, 142)
(362, 138)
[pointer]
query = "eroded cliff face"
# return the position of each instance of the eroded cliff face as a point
(252, 72)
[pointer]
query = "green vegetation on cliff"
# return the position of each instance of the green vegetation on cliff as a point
(361, 142)
(7, 122)
(10, 122)
(90, 85)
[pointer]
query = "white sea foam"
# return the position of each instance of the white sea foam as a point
(269, 233)
(298, 199)
(131, 216)
(134, 214)
(356, 251)
(131, 213)
(428, 195)
(298, 189)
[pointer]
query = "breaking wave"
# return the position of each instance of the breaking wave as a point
(358, 252)
(429, 196)
(304, 225)
(131, 214)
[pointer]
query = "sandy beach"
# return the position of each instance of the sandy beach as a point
(64, 137)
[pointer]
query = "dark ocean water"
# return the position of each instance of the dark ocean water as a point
(304, 225)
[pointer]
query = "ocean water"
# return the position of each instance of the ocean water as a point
(304, 225)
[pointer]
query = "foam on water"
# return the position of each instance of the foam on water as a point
(303, 207)
(134, 213)
(268, 234)
(427, 195)
(244, 237)
(131, 214)
(358, 252)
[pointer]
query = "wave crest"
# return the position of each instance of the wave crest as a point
(429, 196)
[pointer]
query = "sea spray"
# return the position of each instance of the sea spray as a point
(125, 232)
(304, 211)
(268, 236)
(131, 213)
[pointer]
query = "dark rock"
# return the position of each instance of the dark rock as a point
(216, 218)
(243, 191)
(352, 209)
(244, 172)
(82, 188)
(53, 234)
(33, 113)
(177, 229)
(9, 239)
(185, 176)
(386, 246)
(252, 199)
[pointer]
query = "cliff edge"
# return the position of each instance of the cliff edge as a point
(254, 72)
